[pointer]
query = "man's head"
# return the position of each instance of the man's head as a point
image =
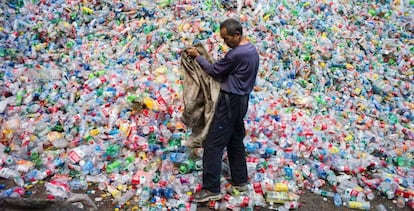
(232, 32)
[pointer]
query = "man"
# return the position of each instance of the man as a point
(237, 72)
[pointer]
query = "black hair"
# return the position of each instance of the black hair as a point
(233, 26)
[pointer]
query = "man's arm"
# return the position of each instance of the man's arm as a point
(222, 67)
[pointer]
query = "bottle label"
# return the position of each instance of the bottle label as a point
(257, 186)
(74, 156)
(213, 204)
(355, 204)
(281, 187)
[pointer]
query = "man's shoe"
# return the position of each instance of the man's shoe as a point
(205, 196)
(237, 189)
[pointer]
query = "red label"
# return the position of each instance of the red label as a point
(245, 202)
(74, 157)
(258, 187)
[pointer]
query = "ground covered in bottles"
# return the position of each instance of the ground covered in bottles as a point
(37, 195)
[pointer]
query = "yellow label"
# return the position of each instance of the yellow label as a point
(150, 103)
(266, 17)
(355, 204)
(333, 150)
(114, 192)
(95, 132)
(357, 91)
(281, 187)
(87, 10)
(349, 138)
(124, 128)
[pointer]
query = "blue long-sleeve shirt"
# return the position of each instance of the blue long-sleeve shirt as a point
(237, 71)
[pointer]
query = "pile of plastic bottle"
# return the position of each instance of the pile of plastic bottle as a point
(91, 93)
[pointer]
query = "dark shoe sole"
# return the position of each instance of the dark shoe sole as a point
(209, 198)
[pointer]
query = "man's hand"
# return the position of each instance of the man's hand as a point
(192, 52)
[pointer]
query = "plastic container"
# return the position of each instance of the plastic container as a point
(126, 197)
(337, 200)
(358, 205)
(323, 193)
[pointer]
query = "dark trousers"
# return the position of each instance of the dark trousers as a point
(226, 131)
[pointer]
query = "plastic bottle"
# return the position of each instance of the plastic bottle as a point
(16, 192)
(114, 166)
(351, 185)
(217, 205)
(359, 196)
(318, 183)
(292, 205)
(178, 157)
(77, 154)
(361, 205)
(337, 200)
(237, 201)
(57, 189)
(187, 166)
(101, 178)
(114, 192)
(281, 187)
(96, 82)
(145, 195)
(126, 197)
(38, 174)
(277, 197)
(78, 184)
(369, 193)
(331, 178)
(388, 189)
(323, 193)
(8, 173)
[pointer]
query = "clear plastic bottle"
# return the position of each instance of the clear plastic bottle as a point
(292, 205)
(100, 178)
(318, 183)
(145, 195)
(178, 157)
(361, 205)
(388, 189)
(218, 205)
(8, 173)
(337, 200)
(323, 192)
(369, 193)
(331, 178)
(114, 192)
(237, 201)
(78, 184)
(36, 174)
(126, 197)
(58, 189)
(277, 197)
(359, 196)
(352, 185)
